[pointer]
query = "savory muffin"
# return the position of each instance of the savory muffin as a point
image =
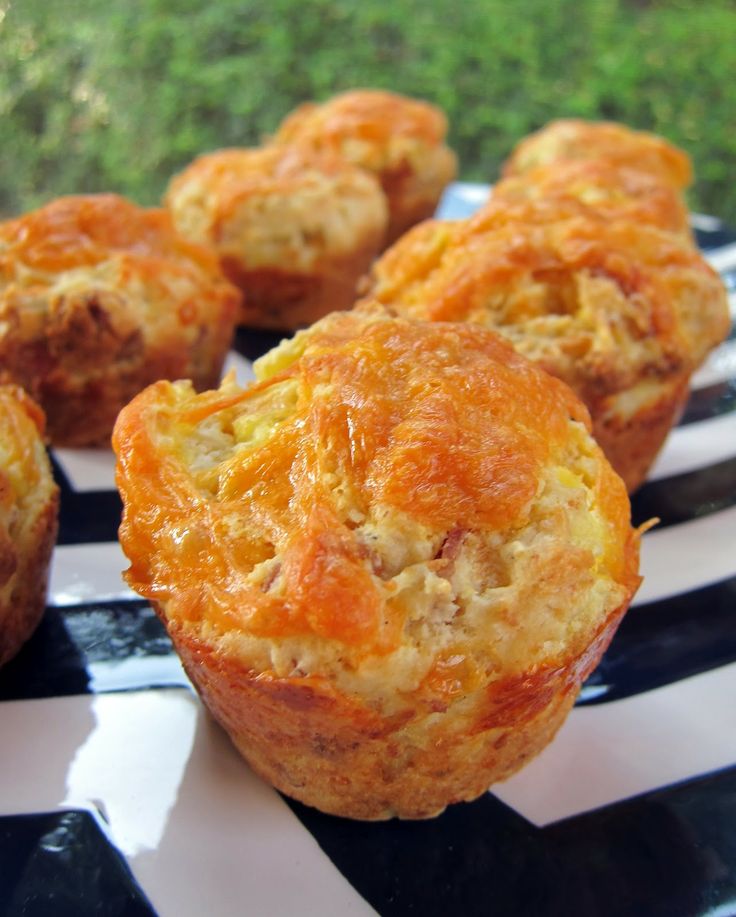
(573, 138)
(29, 502)
(294, 228)
(614, 192)
(387, 565)
(99, 298)
(622, 312)
(399, 139)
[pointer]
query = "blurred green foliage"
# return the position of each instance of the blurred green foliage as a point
(119, 95)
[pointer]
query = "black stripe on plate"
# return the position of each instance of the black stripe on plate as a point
(709, 240)
(252, 343)
(668, 853)
(686, 496)
(122, 645)
(85, 517)
(93, 648)
(665, 641)
(711, 401)
(62, 864)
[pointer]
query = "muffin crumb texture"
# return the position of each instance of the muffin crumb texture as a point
(621, 310)
(387, 565)
(399, 140)
(99, 298)
(293, 228)
(29, 502)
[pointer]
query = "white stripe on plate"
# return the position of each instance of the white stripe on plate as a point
(87, 469)
(681, 558)
(88, 573)
(697, 445)
(242, 366)
(473, 192)
(461, 199)
(705, 222)
(719, 367)
(172, 788)
(609, 752)
(135, 672)
(723, 259)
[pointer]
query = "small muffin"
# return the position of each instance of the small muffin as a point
(29, 503)
(387, 565)
(614, 192)
(400, 140)
(99, 298)
(622, 312)
(574, 138)
(295, 229)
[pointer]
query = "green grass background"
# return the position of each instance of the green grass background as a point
(118, 95)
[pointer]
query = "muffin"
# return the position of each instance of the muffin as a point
(623, 312)
(387, 565)
(400, 140)
(29, 502)
(573, 139)
(294, 228)
(99, 298)
(614, 192)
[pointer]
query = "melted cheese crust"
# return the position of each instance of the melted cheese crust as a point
(277, 207)
(85, 231)
(613, 191)
(398, 139)
(379, 120)
(394, 506)
(623, 147)
(98, 298)
(621, 311)
(565, 285)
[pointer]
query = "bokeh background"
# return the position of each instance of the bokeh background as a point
(116, 95)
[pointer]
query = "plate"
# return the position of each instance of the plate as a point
(119, 795)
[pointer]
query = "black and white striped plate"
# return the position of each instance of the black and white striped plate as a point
(119, 796)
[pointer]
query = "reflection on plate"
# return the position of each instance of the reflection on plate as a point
(119, 792)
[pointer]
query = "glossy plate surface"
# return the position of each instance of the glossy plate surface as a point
(118, 795)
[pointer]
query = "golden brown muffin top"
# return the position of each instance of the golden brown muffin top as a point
(397, 139)
(82, 231)
(277, 206)
(612, 191)
(374, 118)
(109, 266)
(231, 175)
(361, 498)
(574, 138)
(596, 302)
